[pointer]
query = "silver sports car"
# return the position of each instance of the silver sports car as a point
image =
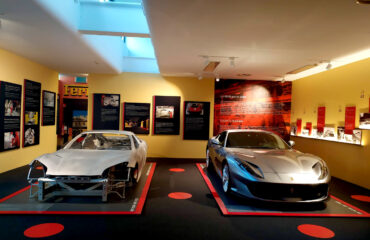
(94, 163)
(260, 165)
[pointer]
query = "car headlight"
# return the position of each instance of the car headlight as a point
(320, 170)
(251, 168)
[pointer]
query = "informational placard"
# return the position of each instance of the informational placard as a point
(264, 105)
(166, 112)
(10, 115)
(31, 115)
(299, 126)
(364, 120)
(48, 108)
(136, 117)
(106, 111)
(320, 119)
(196, 120)
(350, 119)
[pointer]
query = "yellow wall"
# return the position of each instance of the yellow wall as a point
(336, 89)
(15, 69)
(140, 87)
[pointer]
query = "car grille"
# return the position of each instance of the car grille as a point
(284, 192)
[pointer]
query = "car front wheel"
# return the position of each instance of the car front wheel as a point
(226, 178)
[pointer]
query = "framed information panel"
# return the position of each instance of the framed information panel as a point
(31, 114)
(48, 108)
(106, 111)
(166, 115)
(136, 117)
(196, 120)
(10, 115)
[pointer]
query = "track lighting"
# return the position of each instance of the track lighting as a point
(283, 80)
(200, 77)
(232, 61)
(328, 67)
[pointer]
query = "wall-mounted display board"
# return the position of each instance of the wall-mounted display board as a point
(350, 119)
(106, 111)
(196, 120)
(364, 120)
(31, 115)
(321, 119)
(48, 108)
(136, 117)
(10, 115)
(166, 115)
(254, 105)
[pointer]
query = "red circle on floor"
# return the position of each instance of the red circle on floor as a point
(43, 230)
(361, 198)
(179, 195)
(316, 231)
(177, 170)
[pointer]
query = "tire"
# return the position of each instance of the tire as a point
(134, 174)
(226, 178)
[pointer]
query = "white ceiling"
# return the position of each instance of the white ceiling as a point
(269, 38)
(28, 30)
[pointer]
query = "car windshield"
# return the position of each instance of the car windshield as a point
(102, 141)
(255, 140)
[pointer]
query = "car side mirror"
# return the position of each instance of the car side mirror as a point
(291, 143)
(215, 141)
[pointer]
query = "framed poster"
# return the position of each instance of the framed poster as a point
(166, 115)
(364, 120)
(350, 119)
(136, 117)
(196, 120)
(10, 115)
(48, 108)
(106, 111)
(320, 119)
(31, 114)
(299, 126)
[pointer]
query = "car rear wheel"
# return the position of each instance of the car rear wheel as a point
(226, 178)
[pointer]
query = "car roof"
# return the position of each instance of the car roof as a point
(110, 131)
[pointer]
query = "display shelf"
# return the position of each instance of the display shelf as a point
(327, 139)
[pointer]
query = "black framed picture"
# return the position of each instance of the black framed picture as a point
(31, 115)
(166, 115)
(196, 120)
(136, 117)
(10, 115)
(48, 108)
(106, 111)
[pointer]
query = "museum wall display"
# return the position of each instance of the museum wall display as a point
(106, 111)
(48, 108)
(196, 120)
(14, 69)
(31, 114)
(254, 105)
(10, 115)
(136, 117)
(140, 88)
(166, 115)
(335, 90)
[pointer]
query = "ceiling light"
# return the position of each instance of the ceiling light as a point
(200, 77)
(328, 67)
(283, 80)
(232, 61)
(217, 79)
(363, 1)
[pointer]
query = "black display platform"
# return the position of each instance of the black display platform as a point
(235, 205)
(20, 203)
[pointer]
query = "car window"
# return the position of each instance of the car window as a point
(102, 141)
(255, 140)
(221, 138)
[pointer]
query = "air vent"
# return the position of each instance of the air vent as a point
(211, 66)
(301, 69)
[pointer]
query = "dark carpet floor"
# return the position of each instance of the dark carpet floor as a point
(196, 218)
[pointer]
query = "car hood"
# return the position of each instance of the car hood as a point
(76, 162)
(277, 161)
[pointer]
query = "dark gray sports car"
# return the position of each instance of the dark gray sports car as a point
(260, 165)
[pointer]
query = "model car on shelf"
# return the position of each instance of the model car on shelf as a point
(94, 163)
(260, 165)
